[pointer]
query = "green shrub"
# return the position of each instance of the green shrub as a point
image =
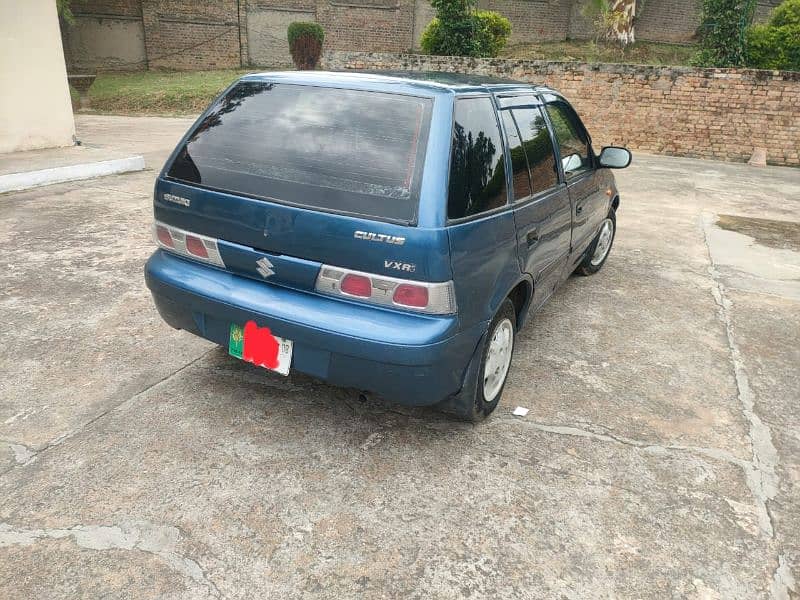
(305, 44)
(493, 32)
(786, 13)
(453, 31)
(776, 44)
(460, 30)
(722, 25)
(431, 37)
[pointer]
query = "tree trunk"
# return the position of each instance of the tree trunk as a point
(624, 12)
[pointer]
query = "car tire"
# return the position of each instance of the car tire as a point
(600, 247)
(482, 389)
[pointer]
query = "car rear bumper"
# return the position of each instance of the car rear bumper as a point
(409, 358)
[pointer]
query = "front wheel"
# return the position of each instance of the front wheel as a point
(600, 247)
(484, 385)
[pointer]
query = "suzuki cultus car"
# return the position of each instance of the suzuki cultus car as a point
(385, 232)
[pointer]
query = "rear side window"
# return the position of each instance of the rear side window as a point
(538, 148)
(348, 151)
(477, 171)
(519, 166)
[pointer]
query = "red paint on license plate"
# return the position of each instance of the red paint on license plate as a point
(260, 346)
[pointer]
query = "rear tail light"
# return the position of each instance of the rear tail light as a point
(356, 285)
(163, 237)
(191, 245)
(431, 298)
(407, 294)
(195, 246)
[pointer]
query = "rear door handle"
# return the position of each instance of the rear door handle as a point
(579, 209)
(532, 237)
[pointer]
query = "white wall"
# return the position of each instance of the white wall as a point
(35, 106)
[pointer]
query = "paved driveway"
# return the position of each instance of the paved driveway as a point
(660, 457)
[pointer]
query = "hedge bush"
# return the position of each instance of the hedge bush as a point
(460, 30)
(721, 27)
(305, 44)
(493, 32)
(776, 44)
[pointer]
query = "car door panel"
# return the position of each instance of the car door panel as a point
(582, 193)
(543, 233)
(480, 222)
(543, 218)
(589, 201)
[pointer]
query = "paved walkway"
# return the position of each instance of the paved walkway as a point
(660, 457)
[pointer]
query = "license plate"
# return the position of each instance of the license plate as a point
(257, 345)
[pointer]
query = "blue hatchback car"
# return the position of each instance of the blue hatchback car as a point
(387, 232)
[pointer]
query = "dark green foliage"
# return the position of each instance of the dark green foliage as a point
(454, 31)
(787, 13)
(493, 32)
(64, 10)
(776, 44)
(722, 32)
(460, 30)
(299, 28)
(305, 44)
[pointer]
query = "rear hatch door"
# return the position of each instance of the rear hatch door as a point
(303, 175)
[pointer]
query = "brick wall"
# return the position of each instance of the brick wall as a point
(706, 113)
(201, 34)
(533, 20)
(675, 21)
(208, 34)
(367, 24)
(125, 8)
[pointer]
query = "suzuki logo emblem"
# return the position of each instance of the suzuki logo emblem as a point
(264, 267)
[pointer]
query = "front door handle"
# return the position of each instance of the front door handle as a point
(532, 237)
(579, 209)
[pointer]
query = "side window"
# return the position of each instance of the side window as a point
(519, 166)
(538, 148)
(571, 138)
(477, 164)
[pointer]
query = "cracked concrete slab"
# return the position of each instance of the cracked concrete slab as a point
(429, 508)
(660, 457)
(74, 308)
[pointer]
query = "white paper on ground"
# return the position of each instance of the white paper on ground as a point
(520, 411)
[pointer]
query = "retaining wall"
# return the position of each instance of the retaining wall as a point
(706, 113)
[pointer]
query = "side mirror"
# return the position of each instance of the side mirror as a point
(573, 162)
(613, 157)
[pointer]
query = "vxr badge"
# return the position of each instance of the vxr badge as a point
(264, 267)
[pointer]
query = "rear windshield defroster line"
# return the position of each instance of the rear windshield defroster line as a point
(349, 151)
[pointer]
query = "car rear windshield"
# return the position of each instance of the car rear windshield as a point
(349, 151)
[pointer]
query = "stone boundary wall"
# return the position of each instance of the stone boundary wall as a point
(212, 34)
(703, 113)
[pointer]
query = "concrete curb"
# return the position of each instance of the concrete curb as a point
(22, 181)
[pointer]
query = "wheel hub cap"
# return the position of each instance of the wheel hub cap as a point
(498, 359)
(603, 242)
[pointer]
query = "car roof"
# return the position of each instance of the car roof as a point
(432, 81)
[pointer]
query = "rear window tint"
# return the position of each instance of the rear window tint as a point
(477, 164)
(347, 151)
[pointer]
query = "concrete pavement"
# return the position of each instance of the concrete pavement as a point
(660, 457)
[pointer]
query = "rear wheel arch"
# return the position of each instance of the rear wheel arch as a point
(520, 296)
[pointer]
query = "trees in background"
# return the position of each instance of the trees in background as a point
(728, 38)
(723, 27)
(776, 44)
(459, 29)
(613, 20)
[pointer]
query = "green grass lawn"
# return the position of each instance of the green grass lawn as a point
(183, 93)
(158, 92)
(644, 53)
